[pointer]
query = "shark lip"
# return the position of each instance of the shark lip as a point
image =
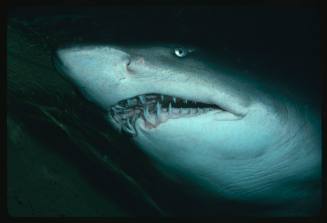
(155, 109)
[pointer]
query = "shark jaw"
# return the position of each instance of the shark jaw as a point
(116, 81)
(154, 109)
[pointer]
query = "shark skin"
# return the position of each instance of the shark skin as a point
(259, 146)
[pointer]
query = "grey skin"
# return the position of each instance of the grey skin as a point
(262, 147)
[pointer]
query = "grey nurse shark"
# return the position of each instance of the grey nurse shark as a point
(232, 136)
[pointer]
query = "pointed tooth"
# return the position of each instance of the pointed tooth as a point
(169, 108)
(115, 121)
(185, 101)
(174, 100)
(134, 119)
(162, 97)
(114, 110)
(129, 130)
(115, 118)
(129, 125)
(158, 106)
(142, 99)
(147, 118)
(146, 112)
(119, 107)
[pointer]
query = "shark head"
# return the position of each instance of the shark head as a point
(199, 121)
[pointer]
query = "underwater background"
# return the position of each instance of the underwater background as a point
(63, 160)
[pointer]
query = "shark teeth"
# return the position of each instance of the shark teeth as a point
(129, 128)
(153, 109)
(142, 99)
(158, 106)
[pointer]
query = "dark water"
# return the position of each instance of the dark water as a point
(281, 41)
(56, 125)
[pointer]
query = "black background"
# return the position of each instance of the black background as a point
(280, 43)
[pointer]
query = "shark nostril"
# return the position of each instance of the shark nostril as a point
(134, 63)
(128, 62)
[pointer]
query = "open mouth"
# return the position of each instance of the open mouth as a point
(154, 109)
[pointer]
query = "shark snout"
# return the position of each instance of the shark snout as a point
(97, 71)
(91, 64)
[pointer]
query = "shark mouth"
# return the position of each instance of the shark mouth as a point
(154, 109)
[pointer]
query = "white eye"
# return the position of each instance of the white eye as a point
(180, 52)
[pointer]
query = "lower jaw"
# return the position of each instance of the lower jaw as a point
(152, 121)
(214, 115)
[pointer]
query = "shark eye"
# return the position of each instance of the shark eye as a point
(181, 52)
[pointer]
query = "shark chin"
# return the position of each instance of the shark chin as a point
(240, 140)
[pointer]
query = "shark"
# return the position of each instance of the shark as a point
(233, 137)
